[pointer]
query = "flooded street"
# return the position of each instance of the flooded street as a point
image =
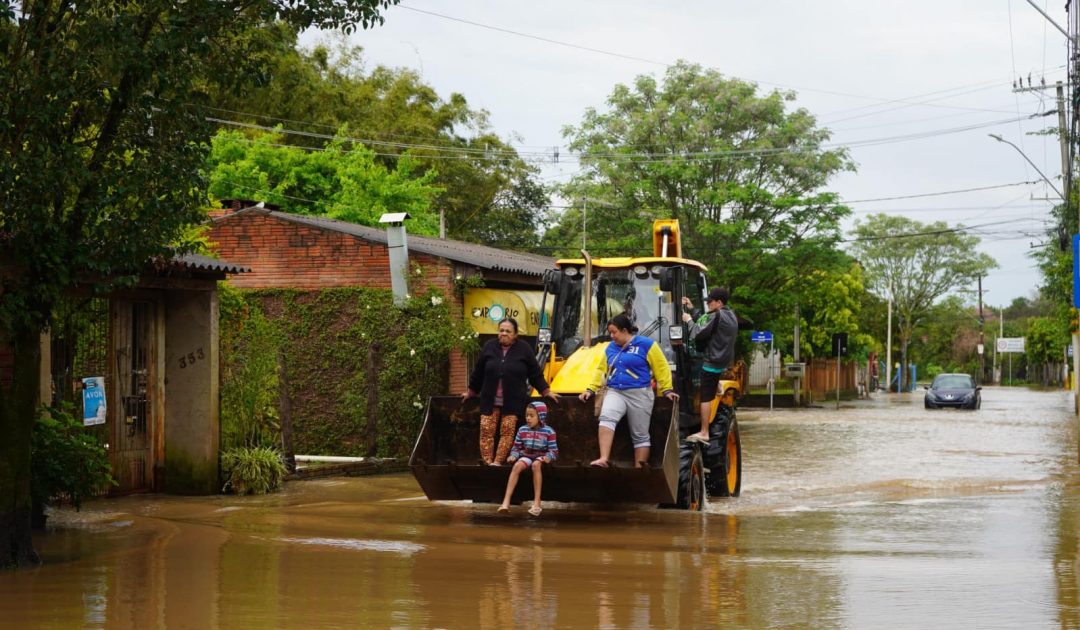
(879, 515)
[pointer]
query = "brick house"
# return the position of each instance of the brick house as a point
(303, 252)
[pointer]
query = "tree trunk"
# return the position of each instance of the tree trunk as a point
(17, 413)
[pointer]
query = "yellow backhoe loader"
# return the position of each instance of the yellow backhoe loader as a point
(585, 293)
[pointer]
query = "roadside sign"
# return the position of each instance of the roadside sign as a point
(761, 336)
(1010, 344)
(839, 344)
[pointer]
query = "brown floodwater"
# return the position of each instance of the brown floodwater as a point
(879, 515)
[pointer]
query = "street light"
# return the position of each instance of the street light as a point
(1045, 178)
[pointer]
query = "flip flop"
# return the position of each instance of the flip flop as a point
(694, 437)
(503, 510)
(597, 463)
(535, 510)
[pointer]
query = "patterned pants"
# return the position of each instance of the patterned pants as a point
(507, 431)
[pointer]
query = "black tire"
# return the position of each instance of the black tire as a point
(692, 494)
(725, 477)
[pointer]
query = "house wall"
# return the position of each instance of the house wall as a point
(282, 254)
(192, 406)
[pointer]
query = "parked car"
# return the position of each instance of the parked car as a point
(953, 390)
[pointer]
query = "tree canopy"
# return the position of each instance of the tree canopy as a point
(104, 142)
(488, 192)
(916, 264)
(742, 172)
(341, 180)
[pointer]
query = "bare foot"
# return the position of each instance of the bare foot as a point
(599, 463)
(503, 509)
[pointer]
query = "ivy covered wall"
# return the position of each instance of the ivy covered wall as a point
(323, 342)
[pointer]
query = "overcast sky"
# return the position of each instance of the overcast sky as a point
(915, 75)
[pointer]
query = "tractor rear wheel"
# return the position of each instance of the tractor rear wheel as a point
(725, 480)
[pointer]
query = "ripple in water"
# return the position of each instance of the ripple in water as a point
(390, 546)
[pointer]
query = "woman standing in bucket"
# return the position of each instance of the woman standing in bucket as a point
(631, 362)
(501, 378)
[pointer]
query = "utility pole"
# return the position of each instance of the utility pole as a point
(795, 352)
(982, 337)
(888, 348)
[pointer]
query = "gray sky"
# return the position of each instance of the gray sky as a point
(912, 76)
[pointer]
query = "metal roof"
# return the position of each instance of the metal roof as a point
(198, 262)
(474, 254)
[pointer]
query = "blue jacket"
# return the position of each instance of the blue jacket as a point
(634, 366)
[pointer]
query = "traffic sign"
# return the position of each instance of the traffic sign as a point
(761, 336)
(1010, 344)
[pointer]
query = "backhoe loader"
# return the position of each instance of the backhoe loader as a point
(585, 294)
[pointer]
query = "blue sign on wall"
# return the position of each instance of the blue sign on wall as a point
(94, 400)
(1076, 270)
(761, 336)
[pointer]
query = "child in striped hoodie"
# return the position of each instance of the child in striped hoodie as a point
(534, 446)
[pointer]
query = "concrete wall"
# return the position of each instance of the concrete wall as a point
(192, 406)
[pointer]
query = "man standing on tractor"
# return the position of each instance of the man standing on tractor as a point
(714, 335)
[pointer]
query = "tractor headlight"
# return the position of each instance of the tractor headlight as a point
(675, 333)
(543, 335)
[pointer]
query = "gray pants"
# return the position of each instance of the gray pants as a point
(636, 405)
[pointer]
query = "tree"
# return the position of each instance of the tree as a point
(830, 303)
(394, 113)
(741, 172)
(104, 141)
(916, 264)
(341, 181)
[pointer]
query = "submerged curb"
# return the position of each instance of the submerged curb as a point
(369, 466)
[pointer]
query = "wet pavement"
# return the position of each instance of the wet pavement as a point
(878, 515)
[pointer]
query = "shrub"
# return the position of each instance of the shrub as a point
(68, 463)
(250, 346)
(253, 470)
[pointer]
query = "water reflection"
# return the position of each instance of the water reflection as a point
(883, 516)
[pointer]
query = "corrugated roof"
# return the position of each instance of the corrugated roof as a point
(198, 262)
(474, 254)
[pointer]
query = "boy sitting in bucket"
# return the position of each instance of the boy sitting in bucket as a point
(534, 446)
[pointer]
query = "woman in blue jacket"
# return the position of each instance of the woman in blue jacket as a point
(631, 362)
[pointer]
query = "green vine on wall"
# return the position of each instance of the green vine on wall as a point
(327, 338)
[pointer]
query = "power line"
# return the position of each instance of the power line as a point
(960, 228)
(643, 157)
(663, 64)
(944, 192)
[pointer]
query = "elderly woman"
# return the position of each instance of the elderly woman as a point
(501, 378)
(631, 363)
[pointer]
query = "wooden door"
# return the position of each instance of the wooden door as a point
(131, 409)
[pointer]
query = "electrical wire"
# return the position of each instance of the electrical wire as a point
(654, 62)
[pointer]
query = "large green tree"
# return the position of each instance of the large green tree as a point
(489, 192)
(742, 171)
(916, 264)
(103, 142)
(340, 181)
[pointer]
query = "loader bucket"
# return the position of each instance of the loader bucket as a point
(446, 460)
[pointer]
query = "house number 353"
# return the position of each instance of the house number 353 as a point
(191, 357)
